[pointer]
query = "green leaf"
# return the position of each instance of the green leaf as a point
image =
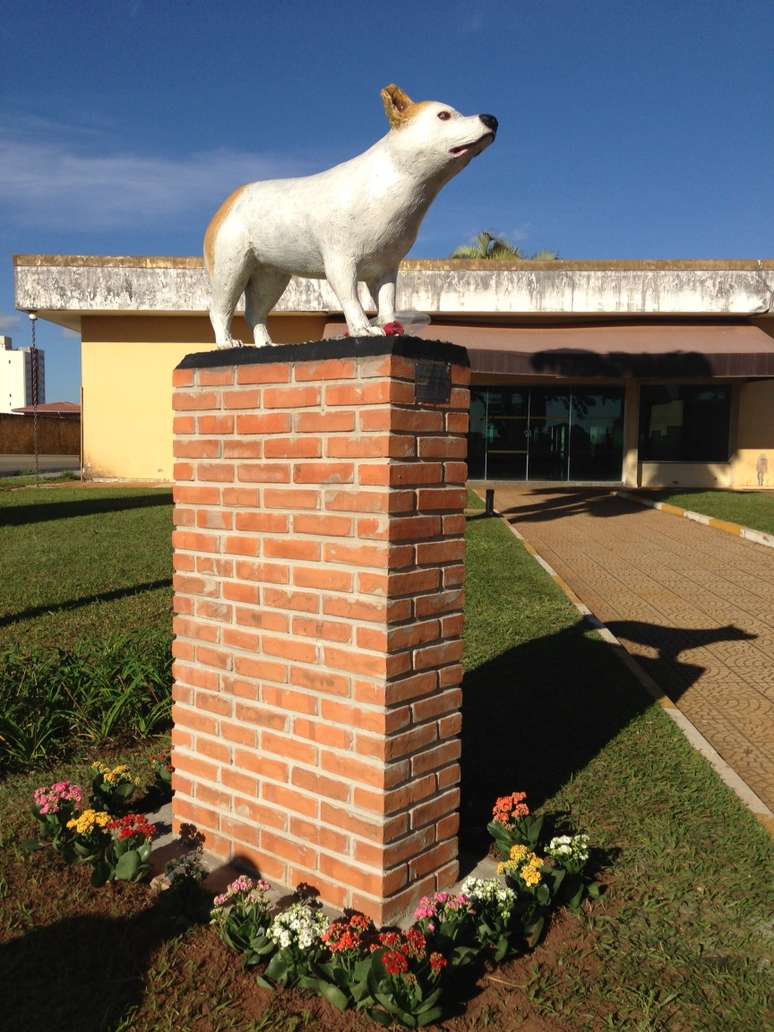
(279, 966)
(263, 983)
(430, 1000)
(30, 845)
(128, 866)
(380, 1017)
(429, 1018)
(533, 931)
(100, 874)
(502, 838)
(332, 994)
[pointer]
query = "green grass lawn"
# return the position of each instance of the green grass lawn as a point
(750, 508)
(681, 939)
(80, 562)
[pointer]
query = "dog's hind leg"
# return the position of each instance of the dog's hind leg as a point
(225, 291)
(263, 290)
(383, 292)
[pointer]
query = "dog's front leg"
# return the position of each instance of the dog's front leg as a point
(342, 276)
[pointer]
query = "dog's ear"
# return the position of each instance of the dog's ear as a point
(396, 105)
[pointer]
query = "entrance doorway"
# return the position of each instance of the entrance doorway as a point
(546, 433)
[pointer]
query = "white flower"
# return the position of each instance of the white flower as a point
(490, 893)
(574, 847)
(300, 925)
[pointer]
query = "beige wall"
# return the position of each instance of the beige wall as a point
(753, 460)
(126, 370)
(686, 474)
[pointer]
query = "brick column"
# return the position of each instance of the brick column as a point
(318, 556)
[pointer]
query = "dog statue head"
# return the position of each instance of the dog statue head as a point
(434, 138)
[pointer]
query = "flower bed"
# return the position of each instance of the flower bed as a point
(405, 977)
(396, 977)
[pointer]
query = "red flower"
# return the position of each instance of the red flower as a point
(131, 826)
(395, 963)
(394, 329)
(415, 942)
(348, 933)
(361, 923)
(437, 962)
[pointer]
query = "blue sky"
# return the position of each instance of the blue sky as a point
(628, 129)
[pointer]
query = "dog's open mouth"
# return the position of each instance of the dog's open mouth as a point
(468, 147)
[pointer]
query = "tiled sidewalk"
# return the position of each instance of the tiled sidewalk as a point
(695, 606)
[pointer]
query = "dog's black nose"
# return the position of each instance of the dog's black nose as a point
(489, 121)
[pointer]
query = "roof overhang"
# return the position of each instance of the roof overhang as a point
(66, 287)
(612, 350)
(560, 318)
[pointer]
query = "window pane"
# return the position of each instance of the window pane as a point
(684, 423)
(549, 417)
(596, 448)
(477, 436)
(506, 433)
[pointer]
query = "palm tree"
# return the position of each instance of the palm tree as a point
(488, 246)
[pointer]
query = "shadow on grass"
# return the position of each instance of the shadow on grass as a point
(534, 715)
(16, 515)
(87, 600)
(538, 713)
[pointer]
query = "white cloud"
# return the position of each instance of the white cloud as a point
(66, 185)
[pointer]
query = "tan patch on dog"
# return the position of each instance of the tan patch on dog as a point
(217, 219)
(399, 108)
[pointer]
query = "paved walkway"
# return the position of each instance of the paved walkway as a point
(694, 605)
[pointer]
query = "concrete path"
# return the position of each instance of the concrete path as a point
(693, 605)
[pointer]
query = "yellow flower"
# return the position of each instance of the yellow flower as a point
(86, 822)
(530, 876)
(519, 853)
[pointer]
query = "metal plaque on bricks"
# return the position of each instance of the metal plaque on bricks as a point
(433, 382)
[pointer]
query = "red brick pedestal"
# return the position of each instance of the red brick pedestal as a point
(319, 495)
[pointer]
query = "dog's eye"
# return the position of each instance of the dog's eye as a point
(444, 115)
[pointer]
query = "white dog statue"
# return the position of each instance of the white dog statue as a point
(352, 223)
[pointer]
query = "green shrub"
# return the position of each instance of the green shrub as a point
(54, 701)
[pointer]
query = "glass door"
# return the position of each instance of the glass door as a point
(507, 433)
(544, 433)
(596, 441)
(549, 434)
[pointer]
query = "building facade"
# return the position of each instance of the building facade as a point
(636, 373)
(22, 376)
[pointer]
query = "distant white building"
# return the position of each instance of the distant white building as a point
(18, 382)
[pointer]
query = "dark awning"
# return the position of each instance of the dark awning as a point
(611, 350)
